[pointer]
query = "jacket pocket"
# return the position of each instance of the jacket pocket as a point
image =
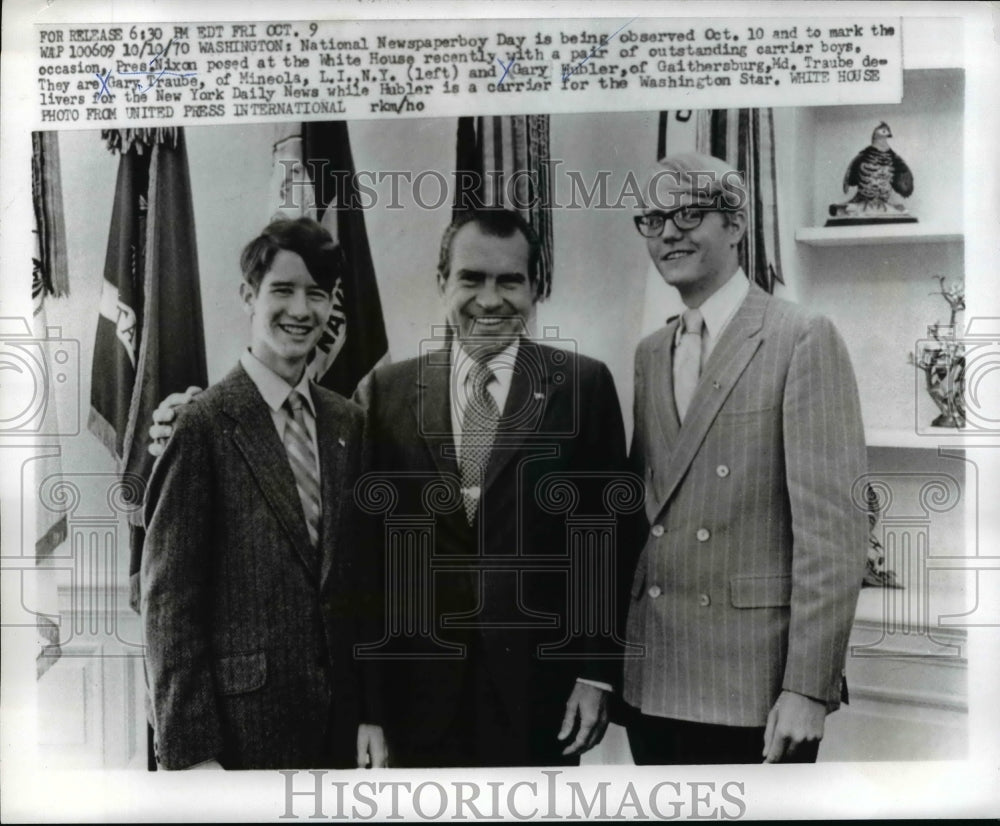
(761, 591)
(241, 673)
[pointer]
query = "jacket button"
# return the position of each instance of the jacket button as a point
(702, 534)
(722, 471)
(654, 591)
(704, 600)
(657, 530)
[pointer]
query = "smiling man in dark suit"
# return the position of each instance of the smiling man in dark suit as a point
(498, 417)
(254, 575)
(748, 433)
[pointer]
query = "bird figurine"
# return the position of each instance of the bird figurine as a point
(877, 172)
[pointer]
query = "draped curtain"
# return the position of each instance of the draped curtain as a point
(745, 139)
(49, 278)
(502, 161)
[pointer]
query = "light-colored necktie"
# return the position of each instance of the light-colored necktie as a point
(302, 458)
(479, 426)
(687, 361)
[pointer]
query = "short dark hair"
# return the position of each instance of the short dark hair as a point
(306, 238)
(502, 223)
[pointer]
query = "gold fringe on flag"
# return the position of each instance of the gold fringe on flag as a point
(122, 140)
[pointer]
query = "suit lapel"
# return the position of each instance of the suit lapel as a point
(332, 439)
(666, 407)
(432, 408)
(730, 357)
(527, 400)
(257, 440)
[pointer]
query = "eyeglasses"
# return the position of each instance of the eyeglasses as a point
(686, 218)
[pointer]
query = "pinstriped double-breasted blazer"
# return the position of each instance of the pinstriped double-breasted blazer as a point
(248, 628)
(748, 580)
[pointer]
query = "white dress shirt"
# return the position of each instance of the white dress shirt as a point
(717, 311)
(502, 367)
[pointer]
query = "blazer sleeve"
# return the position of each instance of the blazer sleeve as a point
(370, 581)
(176, 599)
(603, 452)
(824, 447)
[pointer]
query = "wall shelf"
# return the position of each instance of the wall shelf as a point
(873, 234)
(927, 437)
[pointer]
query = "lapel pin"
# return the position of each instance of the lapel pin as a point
(716, 385)
(342, 442)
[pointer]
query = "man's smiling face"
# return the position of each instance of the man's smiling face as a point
(699, 258)
(488, 294)
(289, 311)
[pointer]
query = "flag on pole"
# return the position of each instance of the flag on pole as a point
(314, 177)
(150, 339)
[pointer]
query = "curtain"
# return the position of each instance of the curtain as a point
(49, 277)
(745, 139)
(503, 161)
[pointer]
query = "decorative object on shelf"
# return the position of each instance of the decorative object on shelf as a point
(879, 174)
(876, 574)
(943, 361)
(49, 649)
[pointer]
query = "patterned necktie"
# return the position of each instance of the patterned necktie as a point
(687, 361)
(302, 458)
(479, 426)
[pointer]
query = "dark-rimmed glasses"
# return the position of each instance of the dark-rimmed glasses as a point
(685, 218)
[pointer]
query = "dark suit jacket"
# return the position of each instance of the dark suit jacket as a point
(561, 421)
(249, 629)
(749, 578)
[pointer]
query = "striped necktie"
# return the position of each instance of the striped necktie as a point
(479, 425)
(687, 361)
(302, 458)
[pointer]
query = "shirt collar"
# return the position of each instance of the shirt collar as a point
(272, 387)
(501, 365)
(720, 306)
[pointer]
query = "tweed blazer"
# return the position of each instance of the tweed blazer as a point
(562, 421)
(748, 580)
(248, 627)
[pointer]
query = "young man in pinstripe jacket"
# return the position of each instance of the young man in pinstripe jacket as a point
(748, 433)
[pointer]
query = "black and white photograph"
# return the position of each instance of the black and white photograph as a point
(454, 412)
